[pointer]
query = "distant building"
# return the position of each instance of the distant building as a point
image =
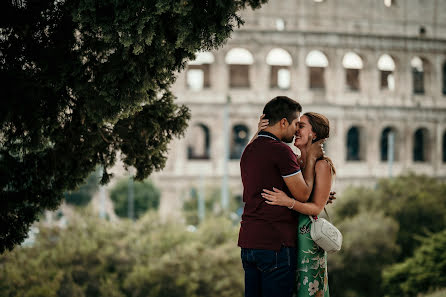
(372, 67)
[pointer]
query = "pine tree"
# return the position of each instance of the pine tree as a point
(83, 80)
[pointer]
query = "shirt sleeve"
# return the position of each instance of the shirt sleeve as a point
(287, 162)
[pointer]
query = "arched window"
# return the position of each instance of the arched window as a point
(388, 135)
(280, 62)
(386, 66)
(316, 62)
(354, 144)
(352, 64)
(199, 140)
(280, 24)
(444, 147)
(198, 71)
(420, 145)
(444, 78)
(418, 75)
(239, 60)
(389, 3)
(240, 134)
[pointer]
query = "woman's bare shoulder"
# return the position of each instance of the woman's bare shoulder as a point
(322, 166)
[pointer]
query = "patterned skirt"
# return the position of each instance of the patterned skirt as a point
(311, 276)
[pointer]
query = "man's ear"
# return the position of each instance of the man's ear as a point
(283, 122)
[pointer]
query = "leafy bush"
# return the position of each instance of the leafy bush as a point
(82, 196)
(212, 204)
(146, 197)
(439, 293)
(382, 226)
(425, 271)
(369, 244)
(94, 257)
(414, 201)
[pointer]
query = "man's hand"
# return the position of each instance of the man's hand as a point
(331, 197)
(315, 150)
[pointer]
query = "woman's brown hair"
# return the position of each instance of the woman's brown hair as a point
(321, 126)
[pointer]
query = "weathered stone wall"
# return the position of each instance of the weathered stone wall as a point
(366, 27)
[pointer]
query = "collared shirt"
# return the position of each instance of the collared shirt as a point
(264, 164)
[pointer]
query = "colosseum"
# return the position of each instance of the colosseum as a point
(376, 69)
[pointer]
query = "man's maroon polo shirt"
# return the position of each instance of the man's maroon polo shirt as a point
(264, 164)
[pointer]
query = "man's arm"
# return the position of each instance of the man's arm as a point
(320, 193)
(301, 184)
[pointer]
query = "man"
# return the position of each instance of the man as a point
(267, 233)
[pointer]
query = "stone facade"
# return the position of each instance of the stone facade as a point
(412, 102)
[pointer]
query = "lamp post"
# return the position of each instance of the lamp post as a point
(224, 186)
(390, 150)
(131, 198)
(102, 211)
(201, 204)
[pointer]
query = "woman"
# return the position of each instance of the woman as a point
(312, 279)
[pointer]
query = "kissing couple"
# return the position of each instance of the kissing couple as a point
(280, 192)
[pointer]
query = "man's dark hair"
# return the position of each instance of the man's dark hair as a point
(281, 107)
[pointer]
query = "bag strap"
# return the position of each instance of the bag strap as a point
(328, 217)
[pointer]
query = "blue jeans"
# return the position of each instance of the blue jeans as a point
(269, 273)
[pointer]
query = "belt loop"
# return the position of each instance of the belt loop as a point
(288, 254)
(277, 262)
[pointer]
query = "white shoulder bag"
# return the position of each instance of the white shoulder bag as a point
(325, 234)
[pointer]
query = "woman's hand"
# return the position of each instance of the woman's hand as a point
(263, 123)
(315, 149)
(277, 197)
(331, 198)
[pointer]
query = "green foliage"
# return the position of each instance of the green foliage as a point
(95, 257)
(382, 226)
(369, 244)
(146, 197)
(82, 196)
(212, 204)
(414, 201)
(425, 271)
(85, 79)
(439, 293)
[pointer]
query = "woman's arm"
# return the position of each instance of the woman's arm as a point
(321, 192)
(261, 125)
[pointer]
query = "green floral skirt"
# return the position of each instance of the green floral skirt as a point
(311, 276)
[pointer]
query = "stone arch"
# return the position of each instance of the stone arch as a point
(421, 75)
(443, 147)
(421, 148)
(386, 66)
(279, 61)
(239, 61)
(355, 144)
(239, 140)
(199, 142)
(352, 64)
(384, 143)
(198, 71)
(389, 3)
(316, 62)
